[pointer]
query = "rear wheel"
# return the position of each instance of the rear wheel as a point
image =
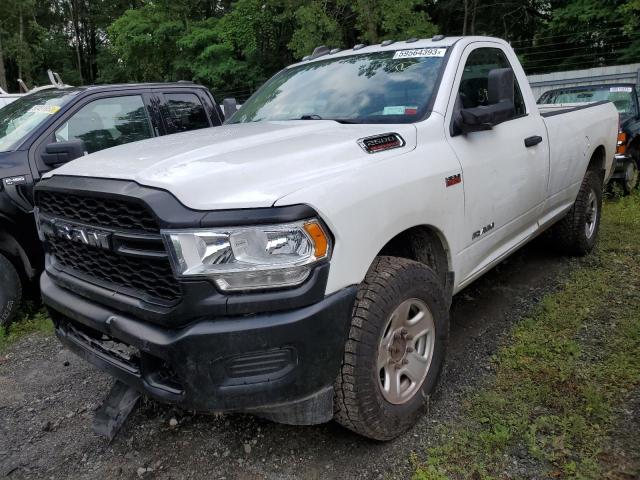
(10, 291)
(630, 181)
(395, 351)
(577, 232)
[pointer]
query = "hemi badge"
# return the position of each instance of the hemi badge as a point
(453, 180)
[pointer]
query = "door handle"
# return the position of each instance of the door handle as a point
(532, 141)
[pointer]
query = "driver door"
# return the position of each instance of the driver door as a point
(100, 122)
(505, 182)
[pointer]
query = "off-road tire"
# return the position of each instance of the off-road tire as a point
(10, 291)
(570, 233)
(359, 403)
(630, 181)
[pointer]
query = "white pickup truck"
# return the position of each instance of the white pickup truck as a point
(299, 262)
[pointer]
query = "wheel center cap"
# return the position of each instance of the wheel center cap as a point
(399, 346)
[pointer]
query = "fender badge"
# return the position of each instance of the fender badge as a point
(483, 230)
(453, 180)
(380, 143)
(15, 180)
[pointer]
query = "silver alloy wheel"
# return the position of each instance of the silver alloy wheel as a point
(405, 351)
(592, 214)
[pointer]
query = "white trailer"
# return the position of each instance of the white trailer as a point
(588, 76)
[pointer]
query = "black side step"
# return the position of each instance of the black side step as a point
(115, 409)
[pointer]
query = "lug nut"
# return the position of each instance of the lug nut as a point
(409, 337)
(404, 331)
(405, 361)
(410, 349)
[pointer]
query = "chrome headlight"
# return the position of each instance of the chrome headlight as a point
(249, 258)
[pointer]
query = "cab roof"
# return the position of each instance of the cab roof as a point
(129, 86)
(437, 41)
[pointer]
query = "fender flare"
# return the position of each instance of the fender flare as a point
(10, 246)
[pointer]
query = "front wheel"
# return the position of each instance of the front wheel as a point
(577, 232)
(10, 291)
(395, 351)
(630, 181)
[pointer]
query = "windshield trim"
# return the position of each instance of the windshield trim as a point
(429, 105)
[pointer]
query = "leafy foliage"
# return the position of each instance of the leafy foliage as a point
(233, 46)
(561, 378)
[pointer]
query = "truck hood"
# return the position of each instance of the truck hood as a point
(241, 165)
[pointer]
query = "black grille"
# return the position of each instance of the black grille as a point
(99, 212)
(151, 276)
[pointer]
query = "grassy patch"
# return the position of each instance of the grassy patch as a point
(560, 376)
(30, 319)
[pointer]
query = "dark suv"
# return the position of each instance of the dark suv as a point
(45, 129)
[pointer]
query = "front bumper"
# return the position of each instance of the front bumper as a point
(278, 364)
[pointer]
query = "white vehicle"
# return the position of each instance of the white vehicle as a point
(7, 98)
(299, 262)
(54, 78)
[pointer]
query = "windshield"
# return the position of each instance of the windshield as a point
(20, 118)
(382, 87)
(621, 96)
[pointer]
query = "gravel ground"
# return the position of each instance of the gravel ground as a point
(47, 398)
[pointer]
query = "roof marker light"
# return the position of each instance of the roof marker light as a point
(319, 51)
(334, 50)
(386, 43)
(359, 46)
(437, 38)
(411, 40)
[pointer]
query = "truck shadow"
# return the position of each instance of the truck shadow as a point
(53, 436)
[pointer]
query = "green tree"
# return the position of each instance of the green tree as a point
(317, 23)
(579, 34)
(211, 59)
(630, 14)
(144, 42)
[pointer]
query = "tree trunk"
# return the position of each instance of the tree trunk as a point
(473, 17)
(368, 12)
(20, 48)
(466, 17)
(76, 28)
(3, 74)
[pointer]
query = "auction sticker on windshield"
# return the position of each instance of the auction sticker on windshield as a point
(47, 109)
(400, 110)
(621, 89)
(420, 52)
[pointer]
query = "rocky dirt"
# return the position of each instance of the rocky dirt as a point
(47, 399)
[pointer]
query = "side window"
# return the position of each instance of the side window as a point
(185, 112)
(475, 78)
(107, 122)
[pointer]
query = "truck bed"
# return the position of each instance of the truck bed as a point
(572, 129)
(551, 109)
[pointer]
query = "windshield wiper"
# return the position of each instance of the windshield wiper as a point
(311, 116)
(315, 116)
